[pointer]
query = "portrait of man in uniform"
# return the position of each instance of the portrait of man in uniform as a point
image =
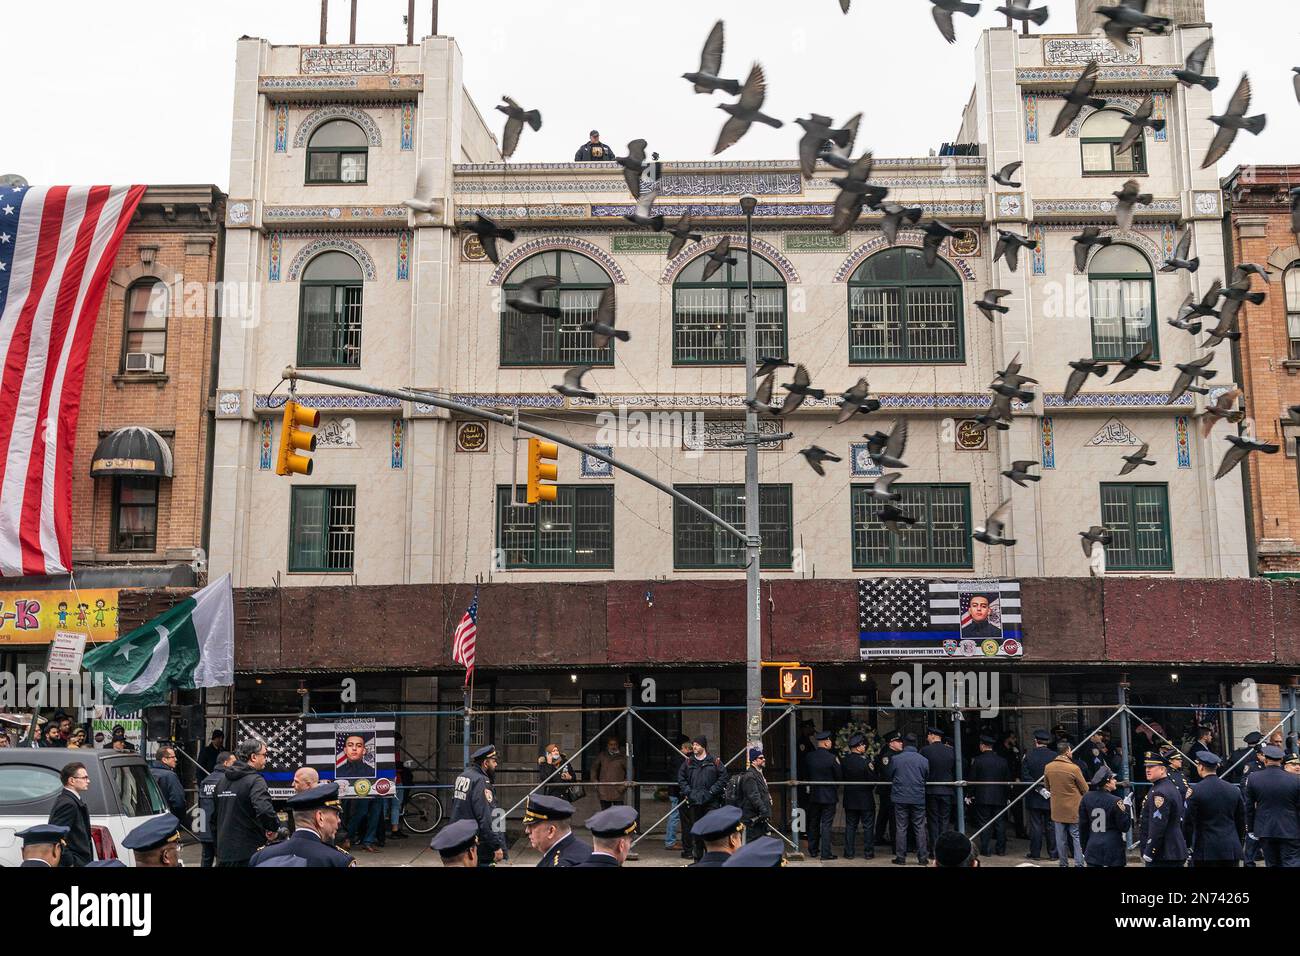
(978, 607)
(355, 760)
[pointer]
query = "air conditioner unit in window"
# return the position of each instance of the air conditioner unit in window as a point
(143, 362)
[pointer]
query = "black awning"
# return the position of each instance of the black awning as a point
(132, 451)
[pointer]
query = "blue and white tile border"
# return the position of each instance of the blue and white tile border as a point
(323, 115)
(761, 247)
(333, 244)
(910, 238)
(568, 243)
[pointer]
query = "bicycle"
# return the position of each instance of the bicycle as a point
(422, 813)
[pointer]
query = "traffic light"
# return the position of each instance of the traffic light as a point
(292, 440)
(540, 470)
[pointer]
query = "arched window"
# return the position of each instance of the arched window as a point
(336, 153)
(901, 310)
(1123, 296)
(1291, 288)
(1099, 137)
(528, 339)
(144, 328)
(329, 312)
(709, 316)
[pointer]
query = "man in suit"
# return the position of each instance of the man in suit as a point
(943, 766)
(42, 845)
(1273, 810)
(990, 773)
(908, 772)
(1038, 808)
(550, 833)
(1215, 818)
(824, 772)
(70, 811)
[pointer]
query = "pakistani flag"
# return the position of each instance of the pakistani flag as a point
(191, 645)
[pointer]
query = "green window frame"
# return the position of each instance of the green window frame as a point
(338, 154)
(576, 531)
(135, 514)
(322, 529)
(709, 317)
(904, 312)
(143, 330)
(700, 545)
(941, 538)
(330, 312)
(1137, 515)
(1291, 293)
(1099, 154)
(547, 342)
(1122, 306)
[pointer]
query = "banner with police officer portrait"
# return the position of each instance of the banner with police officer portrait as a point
(920, 617)
(359, 753)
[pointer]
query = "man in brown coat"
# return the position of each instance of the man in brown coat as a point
(610, 769)
(1065, 781)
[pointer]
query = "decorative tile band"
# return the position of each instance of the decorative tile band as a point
(1160, 111)
(761, 246)
(398, 443)
(347, 59)
(1099, 206)
(540, 211)
(1183, 441)
(403, 255)
(785, 165)
(274, 253)
(334, 213)
(1065, 51)
(281, 128)
(1149, 246)
(571, 243)
(408, 126)
(332, 400)
(641, 243)
(1040, 251)
(775, 210)
(1114, 432)
(1067, 75)
(338, 244)
(906, 237)
(1031, 117)
(1116, 400)
(266, 443)
(711, 434)
(316, 117)
(907, 182)
(1128, 104)
(1047, 443)
(814, 242)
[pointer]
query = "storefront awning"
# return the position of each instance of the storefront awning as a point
(134, 450)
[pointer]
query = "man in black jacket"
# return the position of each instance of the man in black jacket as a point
(943, 766)
(859, 798)
(1038, 809)
(989, 795)
(703, 780)
(70, 811)
(824, 772)
(1273, 810)
(208, 756)
(246, 819)
(1215, 816)
(594, 151)
(755, 798)
(163, 769)
(472, 799)
(205, 821)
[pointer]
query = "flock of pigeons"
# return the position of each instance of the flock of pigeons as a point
(822, 140)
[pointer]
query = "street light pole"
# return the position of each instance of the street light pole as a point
(753, 544)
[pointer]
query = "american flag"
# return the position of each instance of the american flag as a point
(917, 617)
(57, 246)
(286, 748)
(462, 642)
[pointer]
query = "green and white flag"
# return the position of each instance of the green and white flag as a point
(191, 645)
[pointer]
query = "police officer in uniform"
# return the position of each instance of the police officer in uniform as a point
(1177, 773)
(939, 800)
(1160, 836)
(547, 823)
(156, 842)
(1038, 808)
(43, 845)
(859, 802)
(885, 813)
(990, 773)
(1103, 820)
(824, 772)
(720, 830)
(472, 799)
(763, 852)
(316, 814)
(611, 832)
(1215, 820)
(457, 844)
(1273, 810)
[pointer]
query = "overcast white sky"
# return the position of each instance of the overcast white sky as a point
(140, 90)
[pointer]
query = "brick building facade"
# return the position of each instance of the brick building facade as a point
(1259, 231)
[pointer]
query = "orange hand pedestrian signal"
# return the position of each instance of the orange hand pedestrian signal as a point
(796, 683)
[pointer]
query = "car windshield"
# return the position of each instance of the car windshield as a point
(137, 794)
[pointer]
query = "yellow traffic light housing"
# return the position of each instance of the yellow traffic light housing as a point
(292, 440)
(539, 470)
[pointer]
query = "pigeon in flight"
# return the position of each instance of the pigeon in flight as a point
(424, 199)
(602, 326)
(1136, 363)
(1095, 535)
(528, 297)
(815, 455)
(1227, 329)
(989, 303)
(767, 364)
(1205, 307)
(882, 490)
(718, 256)
(855, 400)
(1022, 11)
(517, 116)
(840, 156)
(634, 165)
(1179, 259)
(994, 531)
(1223, 408)
(1185, 320)
(681, 232)
(892, 517)
(1091, 236)
(1003, 176)
(800, 390)
(1241, 447)
(818, 131)
(1139, 121)
(1189, 373)
(1009, 245)
(571, 387)
(1132, 461)
(855, 194)
(935, 233)
(1019, 472)
(998, 415)
(1255, 268)
(1128, 16)
(1080, 95)
(844, 5)
(887, 450)
(1081, 370)
(745, 111)
(1125, 199)
(1238, 290)
(1234, 118)
(942, 12)
(1193, 71)
(762, 400)
(707, 79)
(1011, 374)
(895, 216)
(488, 233)
(644, 216)
(1295, 81)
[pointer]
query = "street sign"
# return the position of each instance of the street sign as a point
(796, 683)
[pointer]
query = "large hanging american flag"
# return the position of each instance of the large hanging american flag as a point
(57, 246)
(463, 641)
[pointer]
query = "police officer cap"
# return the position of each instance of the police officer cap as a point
(1293, 758)
(717, 824)
(857, 739)
(986, 739)
(542, 808)
(1253, 737)
(1208, 758)
(824, 735)
(455, 838)
(105, 863)
(1153, 759)
(153, 833)
(287, 859)
(617, 821)
(909, 740)
(1273, 752)
(1042, 735)
(934, 730)
(765, 851)
(893, 735)
(44, 833)
(317, 798)
(1101, 776)
(483, 753)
